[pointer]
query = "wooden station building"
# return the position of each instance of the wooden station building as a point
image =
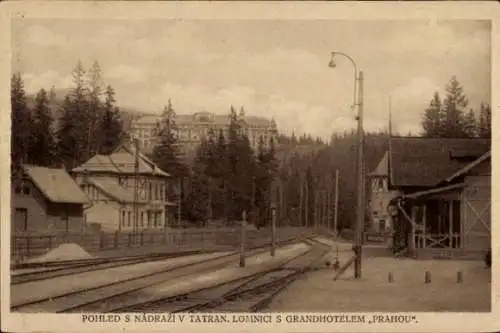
(439, 192)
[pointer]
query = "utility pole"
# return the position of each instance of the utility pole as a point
(210, 211)
(179, 210)
(243, 240)
(253, 213)
(136, 189)
(273, 229)
(307, 203)
(325, 208)
(301, 201)
(336, 216)
(361, 191)
(316, 207)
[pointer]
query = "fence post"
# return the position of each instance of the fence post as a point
(116, 239)
(129, 239)
(28, 245)
(101, 240)
(142, 238)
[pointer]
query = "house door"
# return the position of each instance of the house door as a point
(21, 219)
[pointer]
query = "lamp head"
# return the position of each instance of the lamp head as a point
(332, 63)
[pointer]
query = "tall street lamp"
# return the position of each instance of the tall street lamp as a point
(360, 211)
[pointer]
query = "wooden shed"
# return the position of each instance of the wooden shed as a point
(45, 200)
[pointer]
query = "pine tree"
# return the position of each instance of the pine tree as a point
(21, 123)
(431, 119)
(69, 135)
(199, 195)
(42, 150)
(484, 126)
(110, 132)
(166, 153)
(219, 167)
(470, 124)
(454, 106)
(94, 112)
(265, 173)
(73, 131)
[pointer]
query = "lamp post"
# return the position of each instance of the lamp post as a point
(360, 211)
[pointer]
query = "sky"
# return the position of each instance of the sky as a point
(273, 68)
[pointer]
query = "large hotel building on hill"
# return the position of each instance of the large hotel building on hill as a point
(192, 127)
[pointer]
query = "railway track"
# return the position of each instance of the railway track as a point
(88, 265)
(48, 270)
(248, 294)
(95, 298)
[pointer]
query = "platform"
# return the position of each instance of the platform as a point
(317, 292)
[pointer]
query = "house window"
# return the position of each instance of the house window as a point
(65, 219)
(26, 190)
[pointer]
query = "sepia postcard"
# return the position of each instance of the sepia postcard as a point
(248, 166)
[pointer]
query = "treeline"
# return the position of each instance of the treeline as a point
(304, 139)
(308, 181)
(226, 178)
(451, 117)
(88, 121)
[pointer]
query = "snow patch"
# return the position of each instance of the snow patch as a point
(68, 251)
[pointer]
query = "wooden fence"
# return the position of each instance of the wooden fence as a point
(32, 245)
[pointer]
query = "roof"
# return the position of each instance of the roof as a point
(427, 161)
(121, 161)
(56, 185)
(434, 191)
(470, 166)
(382, 168)
(115, 191)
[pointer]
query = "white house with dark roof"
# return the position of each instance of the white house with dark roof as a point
(109, 181)
(46, 200)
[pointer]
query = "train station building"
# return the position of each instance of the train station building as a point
(439, 192)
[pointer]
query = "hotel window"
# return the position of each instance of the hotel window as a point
(123, 219)
(150, 191)
(142, 219)
(129, 215)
